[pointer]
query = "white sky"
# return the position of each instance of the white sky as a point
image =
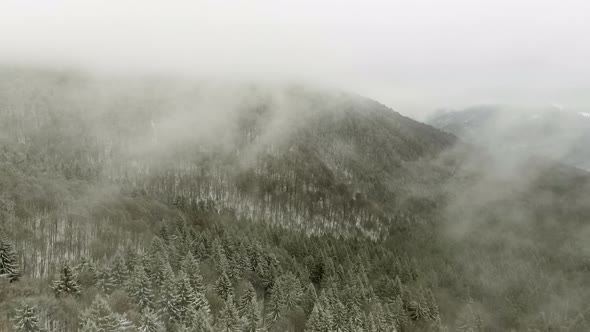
(414, 55)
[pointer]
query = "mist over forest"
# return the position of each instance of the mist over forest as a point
(272, 166)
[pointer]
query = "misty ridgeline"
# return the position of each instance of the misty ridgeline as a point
(175, 205)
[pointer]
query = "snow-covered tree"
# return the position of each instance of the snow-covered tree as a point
(100, 317)
(320, 320)
(67, 284)
(190, 266)
(229, 318)
(246, 299)
(198, 320)
(105, 281)
(185, 298)
(26, 320)
(140, 287)
(249, 310)
(224, 287)
(119, 270)
(168, 294)
(150, 321)
(469, 320)
(8, 262)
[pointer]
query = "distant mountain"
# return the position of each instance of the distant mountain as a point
(560, 135)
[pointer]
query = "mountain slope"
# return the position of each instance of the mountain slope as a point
(278, 185)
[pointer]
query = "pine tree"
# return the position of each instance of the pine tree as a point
(249, 310)
(119, 271)
(275, 306)
(198, 320)
(318, 320)
(140, 287)
(155, 265)
(371, 324)
(309, 298)
(432, 304)
(150, 322)
(26, 320)
(220, 260)
(67, 283)
(105, 281)
(87, 272)
(381, 323)
(90, 326)
(421, 307)
(100, 317)
(286, 294)
(8, 262)
(247, 298)
(437, 326)
(469, 320)
(340, 316)
(229, 318)
(191, 267)
(224, 287)
(355, 318)
(185, 298)
(168, 294)
(397, 309)
(290, 289)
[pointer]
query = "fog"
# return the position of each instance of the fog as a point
(151, 88)
(413, 56)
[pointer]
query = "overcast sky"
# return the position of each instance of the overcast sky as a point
(414, 55)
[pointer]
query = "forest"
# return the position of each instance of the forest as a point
(158, 205)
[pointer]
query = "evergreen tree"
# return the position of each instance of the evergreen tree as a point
(319, 320)
(370, 324)
(397, 309)
(100, 317)
(309, 298)
(275, 306)
(220, 260)
(119, 271)
(249, 310)
(140, 287)
(168, 294)
(90, 326)
(380, 320)
(340, 316)
(224, 287)
(437, 326)
(67, 284)
(198, 320)
(229, 318)
(87, 272)
(150, 322)
(155, 264)
(290, 289)
(421, 307)
(469, 320)
(247, 298)
(186, 298)
(286, 294)
(355, 318)
(432, 304)
(190, 266)
(105, 281)
(26, 320)
(8, 262)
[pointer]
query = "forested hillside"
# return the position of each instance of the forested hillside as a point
(167, 205)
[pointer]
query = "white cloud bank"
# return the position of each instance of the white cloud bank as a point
(412, 55)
